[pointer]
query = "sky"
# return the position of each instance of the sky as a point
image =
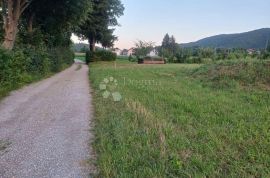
(188, 20)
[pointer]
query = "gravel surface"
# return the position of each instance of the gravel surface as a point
(47, 125)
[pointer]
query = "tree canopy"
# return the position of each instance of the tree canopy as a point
(143, 48)
(53, 21)
(97, 26)
(169, 46)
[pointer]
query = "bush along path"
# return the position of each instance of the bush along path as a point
(46, 126)
(25, 65)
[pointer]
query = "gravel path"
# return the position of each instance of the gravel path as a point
(47, 125)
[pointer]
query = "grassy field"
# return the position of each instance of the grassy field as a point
(172, 123)
(80, 56)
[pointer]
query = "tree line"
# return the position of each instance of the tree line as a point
(54, 21)
(174, 53)
(35, 38)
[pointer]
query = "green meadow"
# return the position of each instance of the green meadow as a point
(80, 56)
(174, 120)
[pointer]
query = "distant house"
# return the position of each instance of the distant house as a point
(153, 53)
(128, 52)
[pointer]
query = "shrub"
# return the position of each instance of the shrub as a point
(27, 64)
(236, 72)
(60, 58)
(12, 66)
(133, 59)
(37, 61)
(89, 57)
(101, 55)
(140, 60)
(105, 55)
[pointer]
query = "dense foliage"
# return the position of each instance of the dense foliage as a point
(100, 55)
(142, 49)
(36, 38)
(227, 74)
(97, 26)
(25, 65)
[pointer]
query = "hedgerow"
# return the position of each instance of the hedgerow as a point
(24, 65)
(101, 55)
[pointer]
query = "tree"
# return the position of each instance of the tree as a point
(166, 41)
(108, 39)
(173, 46)
(55, 19)
(143, 48)
(169, 47)
(96, 27)
(12, 11)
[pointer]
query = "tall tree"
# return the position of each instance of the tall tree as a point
(169, 46)
(173, 45)
(56, 19)
(166, 41)
(11, 12)
(108, 39)
(103, 16)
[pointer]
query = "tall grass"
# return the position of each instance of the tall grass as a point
(169, 124)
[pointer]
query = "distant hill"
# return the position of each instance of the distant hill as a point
(256, 39)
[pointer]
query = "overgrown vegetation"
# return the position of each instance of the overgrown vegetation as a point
(245, 73)
(100, 55)
(36, 39)
(97, 28)
(36, 36)
(25, 65)
(170, 124)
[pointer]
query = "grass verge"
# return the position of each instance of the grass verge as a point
(80, 56)
(170, 124)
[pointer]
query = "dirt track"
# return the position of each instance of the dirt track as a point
(47, 127)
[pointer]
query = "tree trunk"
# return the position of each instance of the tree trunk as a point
(12, 10)
(30, 23)
(10, 36)
(92, 44)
